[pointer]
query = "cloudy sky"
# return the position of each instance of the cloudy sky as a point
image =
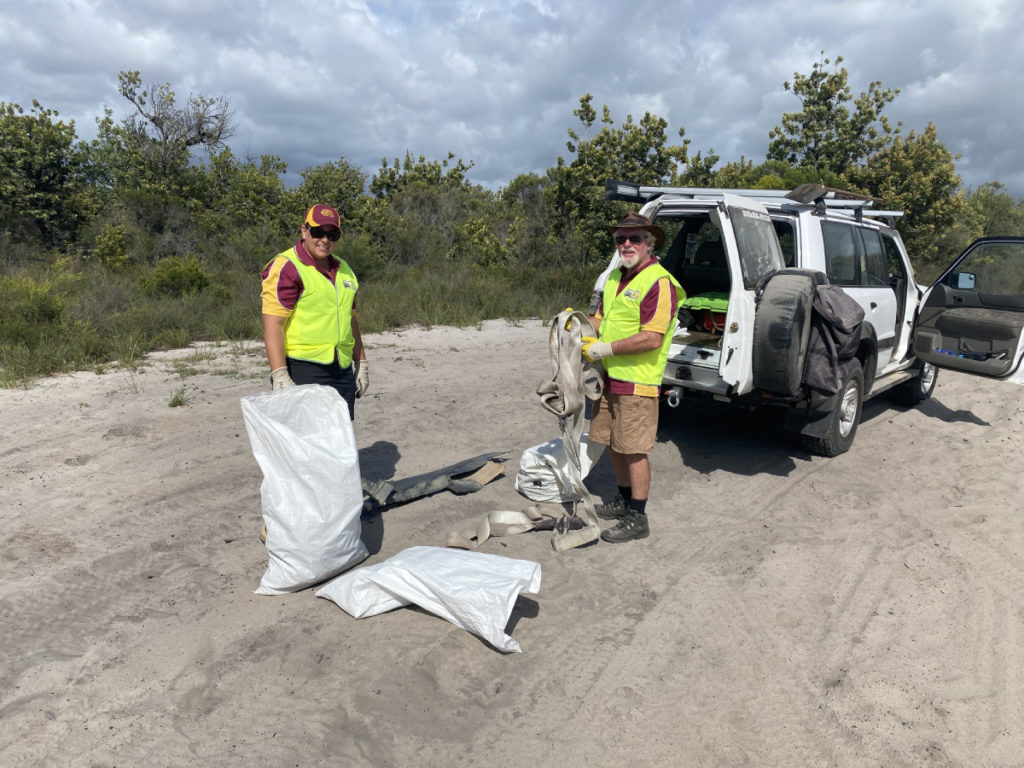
(495, 81)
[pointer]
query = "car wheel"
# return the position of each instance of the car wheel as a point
(919, 388)
(782, 325)
(844, 417)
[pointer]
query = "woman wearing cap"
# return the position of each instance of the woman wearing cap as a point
(309, 317)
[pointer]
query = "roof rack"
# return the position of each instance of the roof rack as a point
(629, 192)
(816, 195)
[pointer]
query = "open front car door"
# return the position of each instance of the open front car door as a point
(972, 318)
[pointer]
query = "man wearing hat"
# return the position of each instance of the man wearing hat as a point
(309, 313)
(635, 319)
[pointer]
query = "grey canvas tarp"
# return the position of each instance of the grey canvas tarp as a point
(836, 323)
(385, 493)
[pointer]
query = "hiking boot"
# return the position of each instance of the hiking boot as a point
(613, 510)
(633, 525)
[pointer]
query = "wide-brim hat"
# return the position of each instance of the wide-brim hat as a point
(634, 220)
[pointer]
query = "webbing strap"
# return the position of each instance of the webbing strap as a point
(544, 516)
(572, 383)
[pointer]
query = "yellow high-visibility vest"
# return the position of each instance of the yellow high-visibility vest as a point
(320, 326)
(621, 319)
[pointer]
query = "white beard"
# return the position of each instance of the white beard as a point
(629, 261)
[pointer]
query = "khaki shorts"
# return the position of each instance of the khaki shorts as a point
(625, 423)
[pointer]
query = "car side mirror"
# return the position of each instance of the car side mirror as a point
(964, 281)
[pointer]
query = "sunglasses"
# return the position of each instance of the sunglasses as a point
(636, 239)
(317, 233)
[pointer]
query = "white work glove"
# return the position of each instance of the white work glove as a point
(280, 378)
(594, 350)
(362, 377)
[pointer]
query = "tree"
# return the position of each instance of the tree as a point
(825, 135)
(162, 133)
(575, 190)
(339, 184)
(771, 174)
(734, 175)
(994, 211)
(228, 191)
(150, 151)
(698, 170)
(917, 175)
(42, 186)
(525, 229)
(525, 190)
(421, 174)
(143, 167)
(426, 211)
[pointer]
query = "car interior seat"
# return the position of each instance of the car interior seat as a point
(709, 271)
(675, 256)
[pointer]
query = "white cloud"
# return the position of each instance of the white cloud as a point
(496, 82)
(459, 63)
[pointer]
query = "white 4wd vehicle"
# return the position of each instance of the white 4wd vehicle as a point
(757, 266)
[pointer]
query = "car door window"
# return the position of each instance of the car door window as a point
(841, 264)
(784, 230)
(760, 254)
(896, 274)
(992, 270)
(897, 270)
(876, 267)
(972, 319)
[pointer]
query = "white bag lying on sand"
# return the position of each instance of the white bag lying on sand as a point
(312, 494)
(473, 590)
(544, 469)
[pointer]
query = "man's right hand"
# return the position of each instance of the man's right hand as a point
(280, 378)
(594, 350)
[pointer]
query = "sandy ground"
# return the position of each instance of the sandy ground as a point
(787, 610)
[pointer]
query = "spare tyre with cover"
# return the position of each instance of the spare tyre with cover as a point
(782, 326)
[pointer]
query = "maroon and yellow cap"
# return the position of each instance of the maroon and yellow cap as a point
(323, 216)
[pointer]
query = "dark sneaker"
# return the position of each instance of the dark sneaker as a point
(632, 526)
(613, 510)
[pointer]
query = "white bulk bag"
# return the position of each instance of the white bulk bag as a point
(544, 469)
(473, 590)
(312, 494)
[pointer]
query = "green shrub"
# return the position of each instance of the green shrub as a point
(22, 298)
(476, 243)
(30, 311)
(14, 252)
(173, 338)
(175, 276)
(41, 350)
(112, 247)
(362, 255)
(64, 321)
(432, 295)
(248, 247)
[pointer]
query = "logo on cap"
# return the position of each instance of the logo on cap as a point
(320, 214)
